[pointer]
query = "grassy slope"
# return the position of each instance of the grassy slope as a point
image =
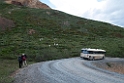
(50, 26)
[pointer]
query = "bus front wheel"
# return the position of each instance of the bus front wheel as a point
(91, 58)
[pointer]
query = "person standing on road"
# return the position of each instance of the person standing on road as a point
(20, 61)
(24, 57)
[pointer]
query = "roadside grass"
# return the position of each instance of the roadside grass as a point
(7, 67)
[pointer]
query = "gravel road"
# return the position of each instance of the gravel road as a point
(72, 70)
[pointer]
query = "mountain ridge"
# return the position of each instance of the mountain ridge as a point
(28, 3)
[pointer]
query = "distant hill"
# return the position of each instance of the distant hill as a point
(45, 34)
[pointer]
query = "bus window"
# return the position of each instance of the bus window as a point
(84, 51)
(91, 52)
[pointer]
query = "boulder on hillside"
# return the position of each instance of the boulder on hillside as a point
(6, 24)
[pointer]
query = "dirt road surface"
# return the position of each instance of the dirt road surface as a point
(72, 70)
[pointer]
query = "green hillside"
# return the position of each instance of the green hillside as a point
(50, 34)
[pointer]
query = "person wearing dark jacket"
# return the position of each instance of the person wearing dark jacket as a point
(20, 61)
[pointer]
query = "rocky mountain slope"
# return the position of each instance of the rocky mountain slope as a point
(28, 3)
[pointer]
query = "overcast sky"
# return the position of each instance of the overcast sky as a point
(111, 11)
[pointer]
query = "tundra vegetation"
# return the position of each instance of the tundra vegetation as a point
(46, 34)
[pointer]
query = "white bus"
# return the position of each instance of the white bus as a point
(92, 54)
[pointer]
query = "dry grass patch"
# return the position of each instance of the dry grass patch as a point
(114, 66)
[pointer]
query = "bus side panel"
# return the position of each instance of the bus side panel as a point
(100, 56)
(96, 56)
(84, 55)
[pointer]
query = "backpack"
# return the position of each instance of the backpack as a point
(23, 58)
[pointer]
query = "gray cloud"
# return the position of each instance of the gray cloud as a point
(112, 11)
(103, 10)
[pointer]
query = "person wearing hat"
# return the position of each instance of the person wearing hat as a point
(24, 57)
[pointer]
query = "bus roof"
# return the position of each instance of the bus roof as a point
(89, 49)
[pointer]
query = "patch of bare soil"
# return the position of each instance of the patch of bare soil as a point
(14, 73)
(114, 66)
(6, 23)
